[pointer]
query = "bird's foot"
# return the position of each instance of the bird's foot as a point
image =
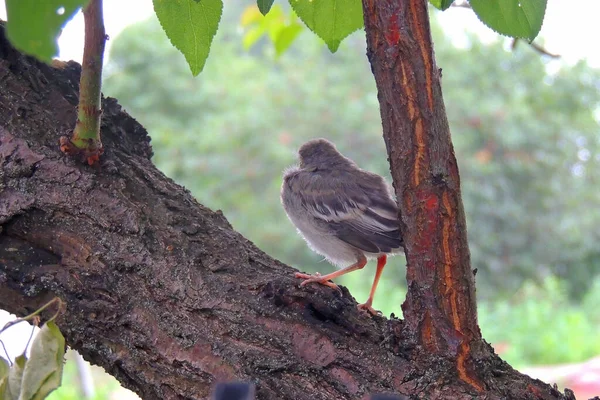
(370, 309)
(317, 278)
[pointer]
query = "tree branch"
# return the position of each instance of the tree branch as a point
(162, 292)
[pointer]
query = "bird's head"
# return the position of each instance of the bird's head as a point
(321, 153)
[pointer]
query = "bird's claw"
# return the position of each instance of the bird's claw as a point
(367, 307)
(317, 278)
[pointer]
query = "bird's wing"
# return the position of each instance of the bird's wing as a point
(359, 212)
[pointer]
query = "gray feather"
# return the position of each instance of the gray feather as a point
(328, 197)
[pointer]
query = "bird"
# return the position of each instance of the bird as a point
(344, 213)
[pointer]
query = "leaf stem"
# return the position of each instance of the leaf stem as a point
(86, 135)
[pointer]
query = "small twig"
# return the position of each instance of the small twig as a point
(86, 135)
(30, 336)
(36, 321)
(36, 312)
(6, 352)
(536, 47)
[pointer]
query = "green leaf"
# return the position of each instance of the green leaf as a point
(251, 15)
(15, 378)
(331, 20)
(33, 26)
(516, 18)
(43, 370)
(275, 22)
(252, 36)
(190, 26)
(264, 5)
(441, 4)
(4, 369)
(282, 29)
(286, 37)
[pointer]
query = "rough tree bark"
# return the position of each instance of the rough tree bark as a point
(440, 309)
(167, 297)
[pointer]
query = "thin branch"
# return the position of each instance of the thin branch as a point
(36, 320)
(536, 47)
(29, 340)
(34, 314)
(6, 352)
(86, 136)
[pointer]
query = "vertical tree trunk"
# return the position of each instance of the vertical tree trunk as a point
(440, 308)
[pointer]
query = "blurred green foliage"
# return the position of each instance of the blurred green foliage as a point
(526, 140)
(540, 325)
(70, 389)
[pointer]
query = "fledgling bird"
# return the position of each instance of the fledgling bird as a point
(344, 213)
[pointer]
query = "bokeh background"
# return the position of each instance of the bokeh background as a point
(526, 133)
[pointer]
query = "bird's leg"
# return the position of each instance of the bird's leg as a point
(324, 279)
(381, 260)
